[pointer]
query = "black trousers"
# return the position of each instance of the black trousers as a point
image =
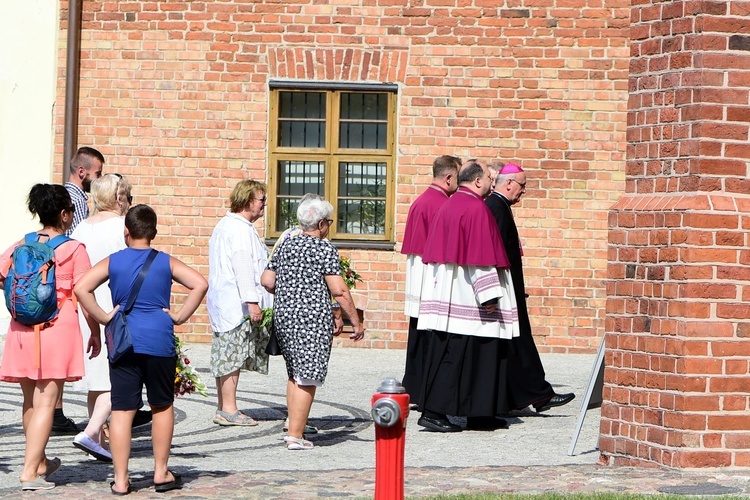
(465, 376)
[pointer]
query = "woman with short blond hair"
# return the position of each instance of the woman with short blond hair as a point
(237, 257)
(103, 233)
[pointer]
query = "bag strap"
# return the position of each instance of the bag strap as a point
(52, 242)
(57, 241)
(139, 281)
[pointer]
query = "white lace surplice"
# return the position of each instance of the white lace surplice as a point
(452, 297)
(414, 273)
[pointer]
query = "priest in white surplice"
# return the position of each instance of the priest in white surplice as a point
(421, 214)
(467, 301)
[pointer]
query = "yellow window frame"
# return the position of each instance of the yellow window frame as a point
(331, 155)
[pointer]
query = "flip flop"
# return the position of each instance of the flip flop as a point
(37, 484)
(119, 493)
(52, 467)
(174, 484)
(237, 418)
(293, 443)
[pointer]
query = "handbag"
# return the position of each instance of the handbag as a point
(272, 348)
(116, 333)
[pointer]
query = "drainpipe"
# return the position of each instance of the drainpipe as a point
(72, 77)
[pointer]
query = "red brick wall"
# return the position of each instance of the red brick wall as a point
(679, 283)
(175, 95)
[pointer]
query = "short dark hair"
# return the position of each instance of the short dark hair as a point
(83, 157)
(46, 201)
(470, 172)
(444, 164)
(141, 222)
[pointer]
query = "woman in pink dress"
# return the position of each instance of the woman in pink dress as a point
(42, 365)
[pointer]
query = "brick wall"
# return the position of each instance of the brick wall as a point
(175, 95)
(677, 310)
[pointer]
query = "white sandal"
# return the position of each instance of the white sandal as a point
(293, 443)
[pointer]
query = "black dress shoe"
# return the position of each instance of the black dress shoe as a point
(64, 427)
(438, 424)
(485, 423)
(555, 400)
(142, 417)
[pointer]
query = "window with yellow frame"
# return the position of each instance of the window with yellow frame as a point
(338, 143)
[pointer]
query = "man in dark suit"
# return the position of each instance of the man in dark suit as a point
(526, 379)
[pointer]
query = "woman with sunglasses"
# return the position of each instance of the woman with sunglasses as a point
(236, 259)
(103, 233)
(42, 360)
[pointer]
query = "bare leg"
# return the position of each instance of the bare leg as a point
(289, 391)
(27, 387)
(300, 399)
(120, 430)
(100, 406)
(220, 402)
(162, 427)
(38, 415)
(58, 403)
(226, 386)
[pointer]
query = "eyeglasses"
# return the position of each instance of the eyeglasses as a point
(523, 185)
(263, 200)
(329, 221)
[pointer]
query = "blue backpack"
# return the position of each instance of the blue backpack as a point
(30, 292)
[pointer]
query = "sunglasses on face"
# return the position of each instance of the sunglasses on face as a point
(117, 190)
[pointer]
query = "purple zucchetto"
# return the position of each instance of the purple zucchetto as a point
(510, 168)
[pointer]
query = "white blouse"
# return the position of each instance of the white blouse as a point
(236, 258)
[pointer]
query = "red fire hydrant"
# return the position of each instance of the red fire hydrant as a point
(390, 409)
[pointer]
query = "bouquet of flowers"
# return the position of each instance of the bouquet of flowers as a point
(186, 381)
(350, 275)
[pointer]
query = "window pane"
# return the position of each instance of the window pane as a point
(361, 216)
(368, 106)
(362, 179)
(362, 190)
(296, 178)
(354, 135)
(310, 105)
(364, 121)
(302, 119)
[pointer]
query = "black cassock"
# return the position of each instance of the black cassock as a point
(526, 380)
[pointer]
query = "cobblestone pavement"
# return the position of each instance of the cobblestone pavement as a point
(251, 462)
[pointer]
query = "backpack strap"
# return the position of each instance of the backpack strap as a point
(52, 242)
(57, 241)
(139, 281)
(32, 237)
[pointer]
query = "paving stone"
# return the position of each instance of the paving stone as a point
(252, 462)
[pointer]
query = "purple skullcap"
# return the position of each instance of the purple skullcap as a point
(510, 168)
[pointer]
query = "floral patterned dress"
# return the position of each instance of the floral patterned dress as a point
(302, 305)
